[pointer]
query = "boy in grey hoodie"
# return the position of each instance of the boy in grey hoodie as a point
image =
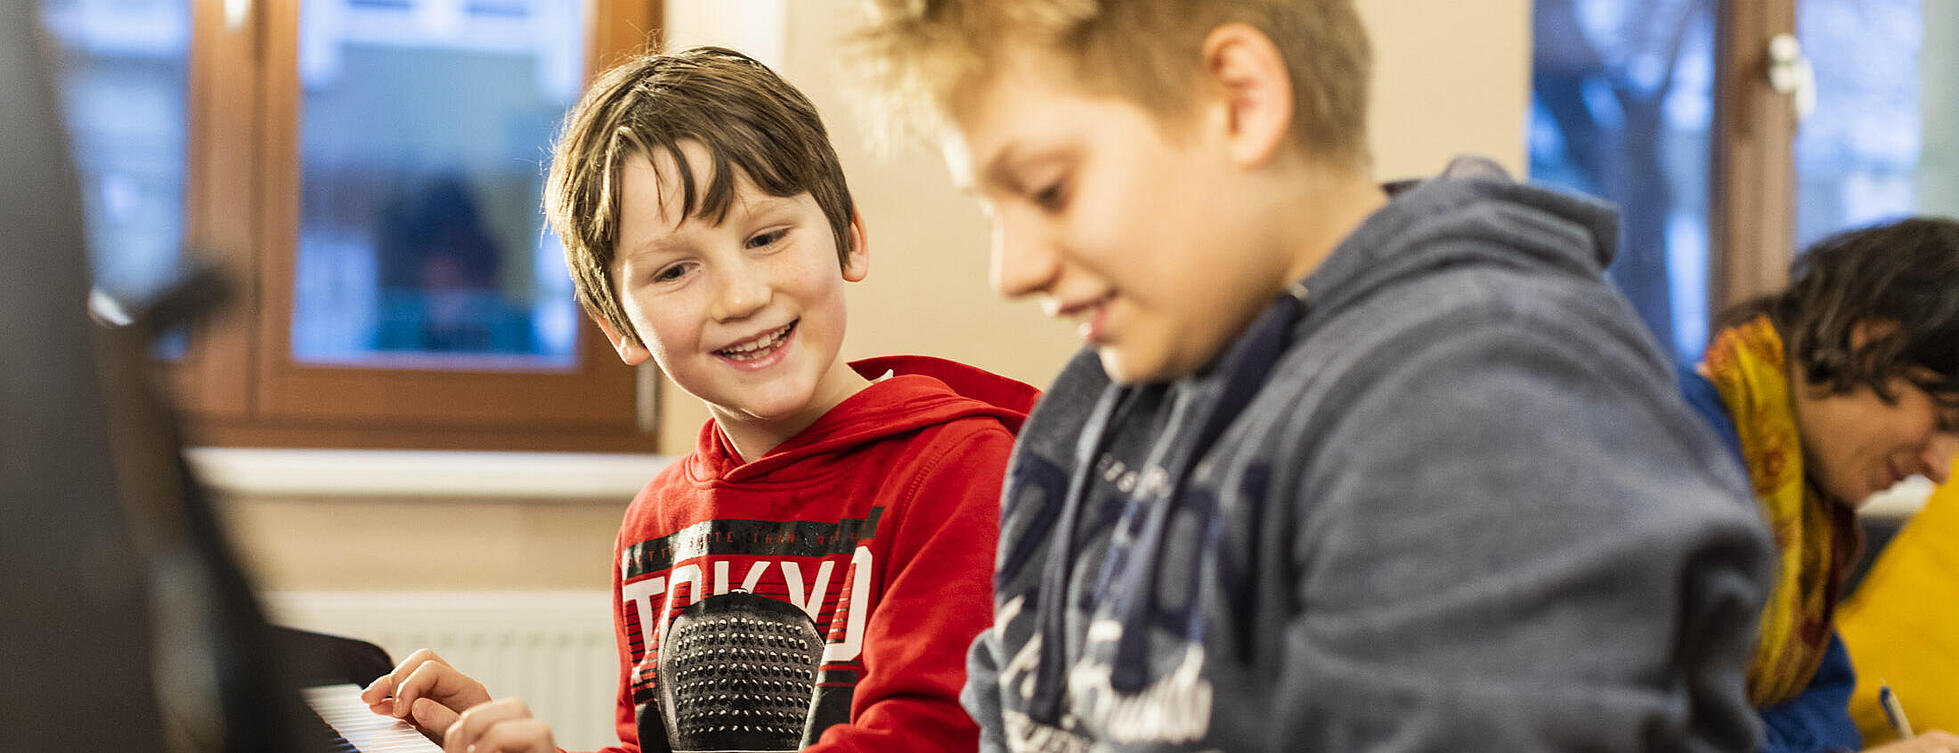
(1343, 468)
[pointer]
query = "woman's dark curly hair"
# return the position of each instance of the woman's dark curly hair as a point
(1902, 278)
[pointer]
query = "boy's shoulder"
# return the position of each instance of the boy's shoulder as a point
(928, 416)
(1471, 256)
(946, 379)
(910, 393)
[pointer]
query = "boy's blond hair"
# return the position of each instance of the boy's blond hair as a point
(931, 53)
(746, 116)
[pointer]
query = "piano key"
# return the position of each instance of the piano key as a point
(364, 731)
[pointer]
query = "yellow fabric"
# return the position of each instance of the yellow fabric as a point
(1902, 624)
(1813, 537)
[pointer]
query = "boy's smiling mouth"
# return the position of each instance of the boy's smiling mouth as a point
(759, 347)
(1090, 313)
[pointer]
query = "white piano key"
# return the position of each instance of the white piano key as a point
(343, 710)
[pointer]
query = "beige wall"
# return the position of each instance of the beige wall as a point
(1451, 78)
(293, 543)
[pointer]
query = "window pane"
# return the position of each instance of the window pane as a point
(1858, 153)
(124, 83)
(424, 133)
(1938, 107)
(1622, 101)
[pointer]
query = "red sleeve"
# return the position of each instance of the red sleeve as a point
(938, 595)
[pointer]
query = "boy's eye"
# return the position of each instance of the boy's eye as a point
(1049, 198)
(766, 239)
(671, 273)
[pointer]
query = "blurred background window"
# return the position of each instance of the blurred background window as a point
(425, 130)
(1881, 142)
(369, 173)
(1624, 107)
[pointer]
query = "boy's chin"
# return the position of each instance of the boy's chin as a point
(1130, 368)
(1139, 365)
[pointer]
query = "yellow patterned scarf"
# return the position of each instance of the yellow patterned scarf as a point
(1816, 538)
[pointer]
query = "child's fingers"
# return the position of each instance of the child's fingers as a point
(433, 718)
(516, 736)
(378, 691)
(470, 728)
(435, 681)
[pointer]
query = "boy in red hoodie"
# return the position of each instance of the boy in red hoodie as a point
(811, 575)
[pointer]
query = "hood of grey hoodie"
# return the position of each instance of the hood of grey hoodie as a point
(1471, 213)
(1190, 525)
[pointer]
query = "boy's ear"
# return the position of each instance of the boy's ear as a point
(632, 352)
(1255, 89)
(857, 263)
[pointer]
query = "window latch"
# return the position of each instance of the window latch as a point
(1790, 73)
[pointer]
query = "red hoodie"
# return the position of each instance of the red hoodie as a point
(879, 521)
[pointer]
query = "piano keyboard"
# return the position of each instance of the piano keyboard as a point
(359, 729)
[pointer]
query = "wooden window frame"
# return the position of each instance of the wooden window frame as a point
(239, 384)
(1752, 216)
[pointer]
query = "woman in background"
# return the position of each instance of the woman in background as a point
(1839, 386)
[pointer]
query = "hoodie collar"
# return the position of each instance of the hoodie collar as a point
(1471, 211)
(921, 391)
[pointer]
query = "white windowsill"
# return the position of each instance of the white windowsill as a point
(420, 473)
(546, 475)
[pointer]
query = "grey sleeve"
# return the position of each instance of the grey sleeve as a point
(1513, 546)
(981, 696)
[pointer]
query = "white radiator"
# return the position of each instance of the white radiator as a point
(554, 649)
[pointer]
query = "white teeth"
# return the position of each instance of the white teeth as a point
(757, 348)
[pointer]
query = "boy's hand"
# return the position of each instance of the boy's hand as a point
(425, 691)
(500, 726)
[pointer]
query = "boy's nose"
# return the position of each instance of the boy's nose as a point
(1022, 264)
(743, 292)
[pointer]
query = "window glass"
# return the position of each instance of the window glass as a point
(1879, 143)
(1622, 104)
(425, 129)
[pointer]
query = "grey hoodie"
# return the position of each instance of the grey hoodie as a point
(1443, 496)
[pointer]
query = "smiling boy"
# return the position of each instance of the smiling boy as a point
(1341, 468)
(811, 574)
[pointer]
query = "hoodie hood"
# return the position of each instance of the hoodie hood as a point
(908, 393)
(1472, 213)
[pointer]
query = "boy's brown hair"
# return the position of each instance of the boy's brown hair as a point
(747, 117)
(930, 53)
